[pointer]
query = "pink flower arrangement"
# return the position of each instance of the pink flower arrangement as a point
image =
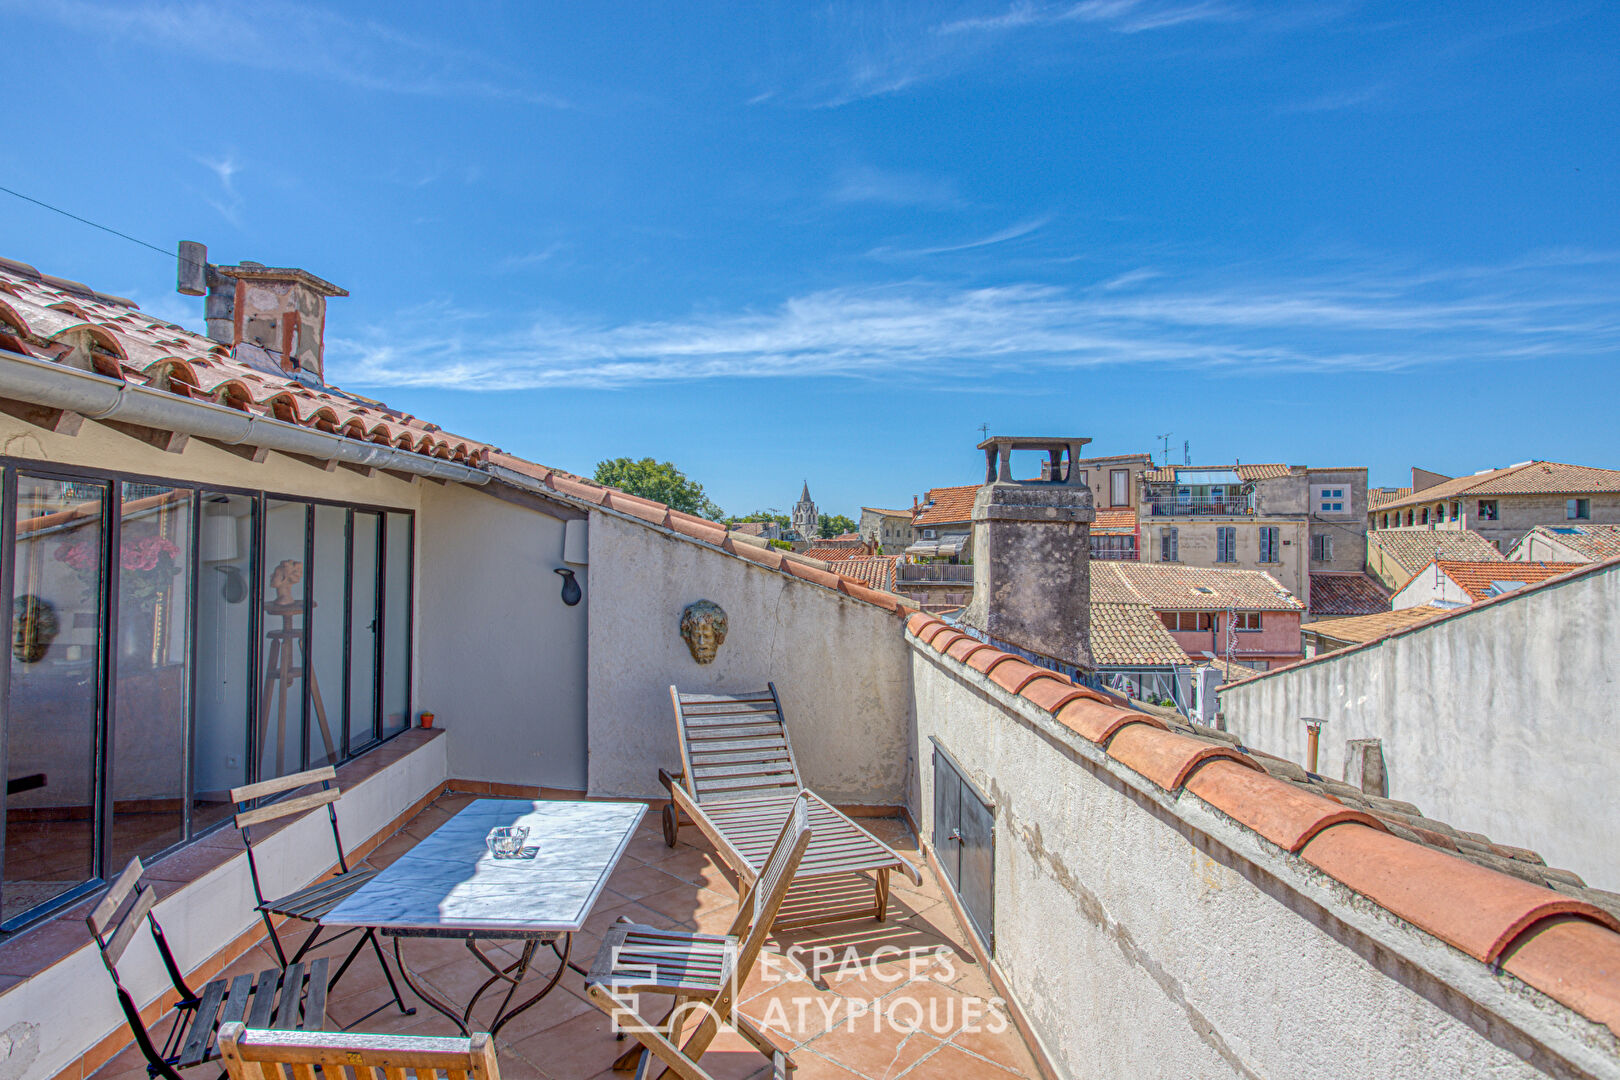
(148, 553)
(148, 565)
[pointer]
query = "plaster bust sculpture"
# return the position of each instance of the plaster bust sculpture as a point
(704, 625)
(288, 573)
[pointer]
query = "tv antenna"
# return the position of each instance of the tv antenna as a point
(1165, 439)
(984, 432)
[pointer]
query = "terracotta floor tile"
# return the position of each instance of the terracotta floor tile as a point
(798, 1011)
(932, 1007)
(998, 1039)
(874, 1049)
(685, 902)
(812, 1066)
(643, 879)
(575, 1049)
(952, 1063)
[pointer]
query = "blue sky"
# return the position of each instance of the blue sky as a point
(828, 241)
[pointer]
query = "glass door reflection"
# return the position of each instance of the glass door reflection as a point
(53, 720)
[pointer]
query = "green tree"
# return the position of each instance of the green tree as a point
(762, 515)
(660, 481)
(831, 525)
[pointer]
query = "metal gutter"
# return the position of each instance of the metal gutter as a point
(100, 397)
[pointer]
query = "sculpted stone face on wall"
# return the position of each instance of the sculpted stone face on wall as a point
(704, 625)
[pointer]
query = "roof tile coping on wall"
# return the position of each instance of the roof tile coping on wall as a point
(709, 533)
(142, 350)
(1562, 946)
(1551, 583)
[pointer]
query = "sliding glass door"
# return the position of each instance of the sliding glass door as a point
(170, 642)
(53, 714)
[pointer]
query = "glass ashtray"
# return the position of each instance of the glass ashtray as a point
(507, 841)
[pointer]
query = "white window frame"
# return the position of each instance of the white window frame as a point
(1332, 500)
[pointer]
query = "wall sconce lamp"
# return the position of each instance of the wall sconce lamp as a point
(571, 593)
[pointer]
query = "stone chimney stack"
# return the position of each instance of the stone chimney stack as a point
(281, 311)
(1032, 551)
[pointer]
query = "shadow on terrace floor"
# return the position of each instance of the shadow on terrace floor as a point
(892, 999)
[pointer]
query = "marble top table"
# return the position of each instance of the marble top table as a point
(449, 884)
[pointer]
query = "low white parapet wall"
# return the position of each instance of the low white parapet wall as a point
(1141, 932)
(63, 1018)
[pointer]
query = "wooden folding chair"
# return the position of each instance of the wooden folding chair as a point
(292, 998)
(269, 1055)
(738, 780)
(697, 970)
(311, 903)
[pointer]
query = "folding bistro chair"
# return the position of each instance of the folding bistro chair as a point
(293, 998)
(311, 903)
(270, 1055)
(697, 970)
(738, 780)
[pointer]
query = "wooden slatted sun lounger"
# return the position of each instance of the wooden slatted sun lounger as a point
(738, 784)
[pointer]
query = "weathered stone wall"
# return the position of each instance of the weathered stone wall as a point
(1146, 935)
(1499, 720)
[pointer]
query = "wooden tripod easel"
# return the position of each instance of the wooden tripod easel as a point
(281, 673)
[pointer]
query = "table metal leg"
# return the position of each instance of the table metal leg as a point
(512, 974)
(430, 1000)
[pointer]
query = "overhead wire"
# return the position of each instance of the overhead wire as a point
(96, 225)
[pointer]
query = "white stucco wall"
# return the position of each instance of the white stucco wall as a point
(1500, 720)
(66, 1009)
(839, 665)
(1146, 936)
(500, 659)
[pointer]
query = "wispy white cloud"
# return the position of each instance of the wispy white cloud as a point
(1000, 236)
(1121, 16)
(530, 258)
(865, 184)
(1339, 100)
(296, 39)
(1365, 318)
(228, 202)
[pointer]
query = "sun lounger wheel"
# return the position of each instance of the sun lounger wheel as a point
(672, 824)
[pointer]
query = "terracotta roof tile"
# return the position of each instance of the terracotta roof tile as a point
(984, 660)
(1346, 594)
(1128, 635)
(1572, 961)
(1475, 578)
(1359, 628)
(1596, 542)
(828, 551)
(1496, 903)
(965, 647)
(1114, 521)
(949, 506)
(1277, 810)
(1165, 474)
(1527, 478)
(887, 513)
(106, 333)
(1413, 549)
(1377, 498)
(943, 642)
(1016, 674)
(1099, 722)
(875, 570)
(1168, 758)
(1173, 587)
(1470, 907)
